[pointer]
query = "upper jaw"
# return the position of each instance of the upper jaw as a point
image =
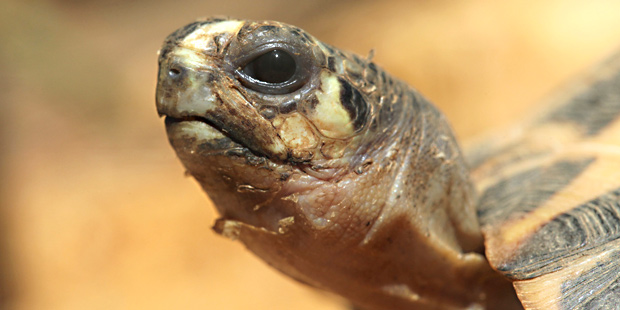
(189, 89)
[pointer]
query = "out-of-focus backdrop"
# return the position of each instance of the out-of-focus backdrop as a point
(95, 210)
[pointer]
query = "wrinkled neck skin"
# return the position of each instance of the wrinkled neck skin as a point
(390, 225)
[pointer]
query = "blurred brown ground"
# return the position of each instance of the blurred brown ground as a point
(95, 210)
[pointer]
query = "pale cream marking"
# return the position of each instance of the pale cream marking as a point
(541, 292)
(201, 131)
(329, 116)
(544, 292)
(198, 100)
(193, 59)
(277, 122)
(602, 176)
(334, 148)
(297, 133)
(202, 38)
(201, 101)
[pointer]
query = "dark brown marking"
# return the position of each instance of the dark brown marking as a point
(296, 31)
(288, 107)
(331, 63)
(313, 101)
(354, 103)
(267, 28)
(219, 42)
(372, 67)
(593, 109)
(330, 49)
(307, 36)
(370, 74)
(522, 193)
(268, 112)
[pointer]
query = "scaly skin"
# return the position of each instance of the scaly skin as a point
(351, 182)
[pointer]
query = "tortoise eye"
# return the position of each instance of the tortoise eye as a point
(276, 66)
(274, 71)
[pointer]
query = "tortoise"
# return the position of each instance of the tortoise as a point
(349, 180)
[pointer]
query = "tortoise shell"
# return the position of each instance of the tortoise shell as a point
(550, 202)
(349, 180)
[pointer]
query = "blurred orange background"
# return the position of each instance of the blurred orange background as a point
(95, 210)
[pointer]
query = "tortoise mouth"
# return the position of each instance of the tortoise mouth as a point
(169, 120)
(195, 137)
(197, 129)
(213, 131)
(205, 129)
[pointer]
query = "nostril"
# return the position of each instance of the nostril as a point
(175, 72)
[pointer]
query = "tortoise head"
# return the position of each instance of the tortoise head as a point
(322, 164)
(267, 86)
(256, 109)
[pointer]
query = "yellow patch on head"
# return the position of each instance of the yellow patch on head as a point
(329, 116)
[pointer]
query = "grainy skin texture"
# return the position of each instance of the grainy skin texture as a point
(349, 180)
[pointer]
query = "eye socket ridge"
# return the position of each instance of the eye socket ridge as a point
(274, 68)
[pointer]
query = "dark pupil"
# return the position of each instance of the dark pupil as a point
(275, 66)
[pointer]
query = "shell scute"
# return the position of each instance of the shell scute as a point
(550, 199)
